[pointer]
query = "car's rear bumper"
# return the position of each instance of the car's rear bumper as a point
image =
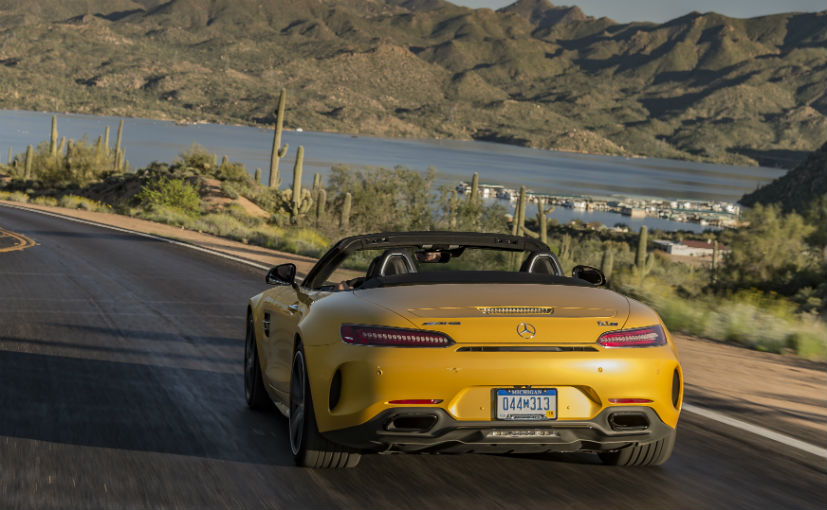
(423, 429)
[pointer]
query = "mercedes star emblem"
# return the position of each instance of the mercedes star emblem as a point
(526, 330)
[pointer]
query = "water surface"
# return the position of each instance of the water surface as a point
(542, 171)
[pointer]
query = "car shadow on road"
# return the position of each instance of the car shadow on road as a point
(133, 406)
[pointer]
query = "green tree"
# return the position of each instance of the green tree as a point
(385, 199)
(771, 253)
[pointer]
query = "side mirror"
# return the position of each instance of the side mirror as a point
(283, 274)
(589, 274)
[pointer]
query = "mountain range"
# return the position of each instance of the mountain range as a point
(703, 86)
(798, 189)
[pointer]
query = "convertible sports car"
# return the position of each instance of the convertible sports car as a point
(459, 342)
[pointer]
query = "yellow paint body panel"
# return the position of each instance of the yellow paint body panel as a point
(465, 381)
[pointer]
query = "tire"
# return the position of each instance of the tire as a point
(647, 454)
(310, 449)
(254, 391)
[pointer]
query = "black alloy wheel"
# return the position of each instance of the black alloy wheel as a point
(254, 391)
(309, 447)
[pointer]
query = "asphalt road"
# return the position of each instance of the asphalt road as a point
(121, 387)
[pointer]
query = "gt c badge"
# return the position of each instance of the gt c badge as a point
(606, 323)
(526, 330)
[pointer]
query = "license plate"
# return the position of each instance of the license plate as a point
(527, 404)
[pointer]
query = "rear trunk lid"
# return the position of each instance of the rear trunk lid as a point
(506, 313)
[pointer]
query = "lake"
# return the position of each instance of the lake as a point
(542, 171)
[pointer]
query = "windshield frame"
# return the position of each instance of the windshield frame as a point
(429, 240)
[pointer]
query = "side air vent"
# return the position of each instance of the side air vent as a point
(335, 390)
(676, 388)
(516, 310)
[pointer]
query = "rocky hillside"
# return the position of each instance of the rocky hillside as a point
(702, 86)
(798, 188)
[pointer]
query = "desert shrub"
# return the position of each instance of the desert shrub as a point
(238, 212)
(87, 204)
(234, 172)
(14, 196)
(223, 225)
(305, 241)
(751, 318)
(79, 166)
(166, 214)
(45, 201)
(198, 160)
(169, 193)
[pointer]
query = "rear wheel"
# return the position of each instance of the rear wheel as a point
(647, 454)
(309, 447)
(254, 390)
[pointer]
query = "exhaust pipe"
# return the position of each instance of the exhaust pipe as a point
(625, 421)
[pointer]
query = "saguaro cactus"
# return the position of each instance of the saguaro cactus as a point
(453, 204)
(118, 149)
(29, 159)
(640, 257)
(715, 255)
(542, 219)
(475, 187)
(321, 202)
(344, 221)
(643, 263)
(317, 182)
(53, 138)
(98, 150)
(278, 152)
(297, 179)
(296, 202)
(258, 176)
(518, 223)
(106, 140)
(607, 262)
(62, 146)
(565, 247)
(9, 161)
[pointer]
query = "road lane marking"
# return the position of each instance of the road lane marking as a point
(755, 429)
(690, 408)
(22, 241)
(142, 234)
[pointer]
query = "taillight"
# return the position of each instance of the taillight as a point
(640, 337)
(630, 401)
(396, 337)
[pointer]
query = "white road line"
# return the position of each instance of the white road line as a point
(690, 408)
(755, 429)
(150, 236)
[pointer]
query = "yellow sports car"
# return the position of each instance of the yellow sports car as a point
(459, 342)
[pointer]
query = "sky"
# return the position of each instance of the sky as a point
(624, 11)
